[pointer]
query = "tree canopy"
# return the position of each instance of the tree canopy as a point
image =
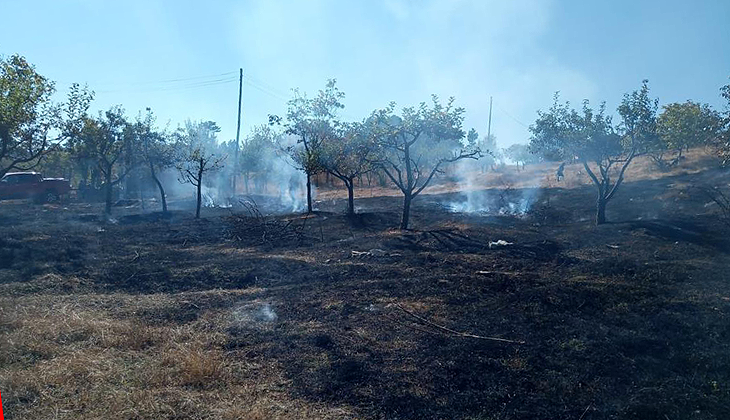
(416, 144)
(590, 137)
(31, 124)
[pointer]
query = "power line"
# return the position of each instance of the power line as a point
(161, 82)
(512, 117)
(271, 92)
(266, 86)
(183, 87)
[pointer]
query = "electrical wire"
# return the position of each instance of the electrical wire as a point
(512, 117)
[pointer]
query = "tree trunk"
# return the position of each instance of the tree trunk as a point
(309, 193)
(245, 181)
(160, 187)
(601, 211)
(350, 198)
(407, 198)
(199, 186)
(108, 189)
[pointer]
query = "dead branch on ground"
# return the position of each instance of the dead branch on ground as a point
(253, 228)
(457, 333)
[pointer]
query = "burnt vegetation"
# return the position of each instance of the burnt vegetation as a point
(403, 295)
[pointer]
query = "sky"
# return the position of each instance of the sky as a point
(181, 58)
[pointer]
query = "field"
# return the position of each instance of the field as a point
(325, 317)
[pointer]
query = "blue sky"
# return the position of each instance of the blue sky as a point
(134, 53)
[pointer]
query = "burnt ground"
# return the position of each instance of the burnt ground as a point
(168, 317)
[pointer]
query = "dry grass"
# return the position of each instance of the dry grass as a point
(70, 361)
(536, 175)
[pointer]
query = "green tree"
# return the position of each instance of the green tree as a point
(488, 146)
(681, 126)
(723, 139)
(416, 145)
(589, 137)
(157, 149)
(197, 146)
(31, 125)
(256, 155)
(312, 122)
(114, 145)
(347, 156)
(520, 154)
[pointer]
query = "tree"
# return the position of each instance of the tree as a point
(114, 145)
(415, 146)
(257, 153)
(30, 123)
(723, 139)
(311, 121)
(681, 126)
(488, 160)
(520, 153)
(157, 151)
(590, 137)
(197, 159)
(348, 156)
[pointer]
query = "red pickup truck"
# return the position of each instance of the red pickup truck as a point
(23, 185)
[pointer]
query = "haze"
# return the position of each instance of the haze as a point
(519, 52)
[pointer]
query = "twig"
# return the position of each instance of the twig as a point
(506, 273)
(584, 412)
(459, 333)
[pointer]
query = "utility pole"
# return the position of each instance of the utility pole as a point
(489, 127)
(238, 128)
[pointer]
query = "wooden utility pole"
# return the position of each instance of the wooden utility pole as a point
(489, 127)
(238, 129)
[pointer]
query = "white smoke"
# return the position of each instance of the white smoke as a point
(254, 315)
(478, 197)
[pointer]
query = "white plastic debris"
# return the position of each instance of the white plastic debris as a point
(374, 253)
(500, 243)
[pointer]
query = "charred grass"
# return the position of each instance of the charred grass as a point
(174, 318)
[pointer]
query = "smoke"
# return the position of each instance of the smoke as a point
(481, 194)
(254, 315)
(289, 184)
(275, 184)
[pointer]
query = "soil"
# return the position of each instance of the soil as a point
(353, 318)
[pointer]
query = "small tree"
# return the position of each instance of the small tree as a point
(114, 145)
(415, 146)
(520, 153)
(723, 140)
(197, 159)
(31, 125)
(488, 143)
(590, 137)
(348, 156)
(157, 151)
(681, 126)
(311, 121)
(256, 154)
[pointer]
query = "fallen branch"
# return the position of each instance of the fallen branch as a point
(505, 273)
(458, 333)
